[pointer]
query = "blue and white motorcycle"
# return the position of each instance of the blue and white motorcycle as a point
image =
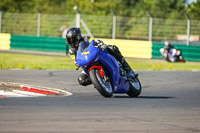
(173, 55)
(106, 73)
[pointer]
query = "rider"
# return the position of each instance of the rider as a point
(75, 40)
(168, 46)
(164, 51)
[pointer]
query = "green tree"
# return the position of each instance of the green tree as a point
(159, 8)
(16, 5)
(194, 10)
(164, 8)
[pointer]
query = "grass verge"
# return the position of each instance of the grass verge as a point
(24, 61)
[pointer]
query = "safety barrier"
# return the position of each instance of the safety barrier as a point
(132, 48)
(48, 44)
(32, 43)
(129, 48)
(5, 41)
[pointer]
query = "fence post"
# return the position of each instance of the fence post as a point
(114, 25)
(78, 16)
(0, 20)
(86, 28)
(188, 28)
(150, 25)
(38, 24)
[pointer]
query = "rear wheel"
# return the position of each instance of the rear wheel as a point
(135, 88)
(102, 85)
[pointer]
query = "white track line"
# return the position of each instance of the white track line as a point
(11, 94)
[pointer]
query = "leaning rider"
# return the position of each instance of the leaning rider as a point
(75, 40)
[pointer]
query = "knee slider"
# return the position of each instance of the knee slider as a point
(83, 79)
(115, 48)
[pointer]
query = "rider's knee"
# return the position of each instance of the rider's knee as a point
(113, 48)
(114, 51)
(83, 79)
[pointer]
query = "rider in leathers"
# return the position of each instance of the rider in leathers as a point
(75, 40)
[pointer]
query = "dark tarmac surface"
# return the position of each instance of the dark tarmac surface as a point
(169, 102)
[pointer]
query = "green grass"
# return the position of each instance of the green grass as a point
(163, 65)
(23, 61)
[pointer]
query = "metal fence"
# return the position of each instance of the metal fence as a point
(153, 29)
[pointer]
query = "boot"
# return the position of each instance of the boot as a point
(114, 51)
(83, 79)
(130, 74)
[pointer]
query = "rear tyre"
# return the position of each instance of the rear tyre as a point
(135, 88)
(102, 86)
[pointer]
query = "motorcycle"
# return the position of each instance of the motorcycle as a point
(173, 55)
(106, 73)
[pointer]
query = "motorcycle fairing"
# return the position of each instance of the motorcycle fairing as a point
(87, 55)
(120, 83)
(93, 54)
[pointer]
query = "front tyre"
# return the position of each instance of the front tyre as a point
(103, 87)
(135, 88)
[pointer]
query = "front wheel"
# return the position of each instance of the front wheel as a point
(135, 88)
(103, 86)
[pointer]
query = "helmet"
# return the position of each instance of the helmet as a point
(167, 43)
(73, 36)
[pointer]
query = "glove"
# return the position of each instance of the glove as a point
(72, 52)
(101, 45)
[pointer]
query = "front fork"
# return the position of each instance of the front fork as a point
(98, 68)
(102, 72)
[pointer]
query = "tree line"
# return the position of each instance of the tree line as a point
(137, 8)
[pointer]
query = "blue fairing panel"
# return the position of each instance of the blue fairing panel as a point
(87, 55)
(111, 64)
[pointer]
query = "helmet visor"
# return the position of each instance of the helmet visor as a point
(69, 40)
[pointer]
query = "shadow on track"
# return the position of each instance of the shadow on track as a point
(146, 97)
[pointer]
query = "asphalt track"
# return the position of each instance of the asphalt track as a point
(170, 102)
